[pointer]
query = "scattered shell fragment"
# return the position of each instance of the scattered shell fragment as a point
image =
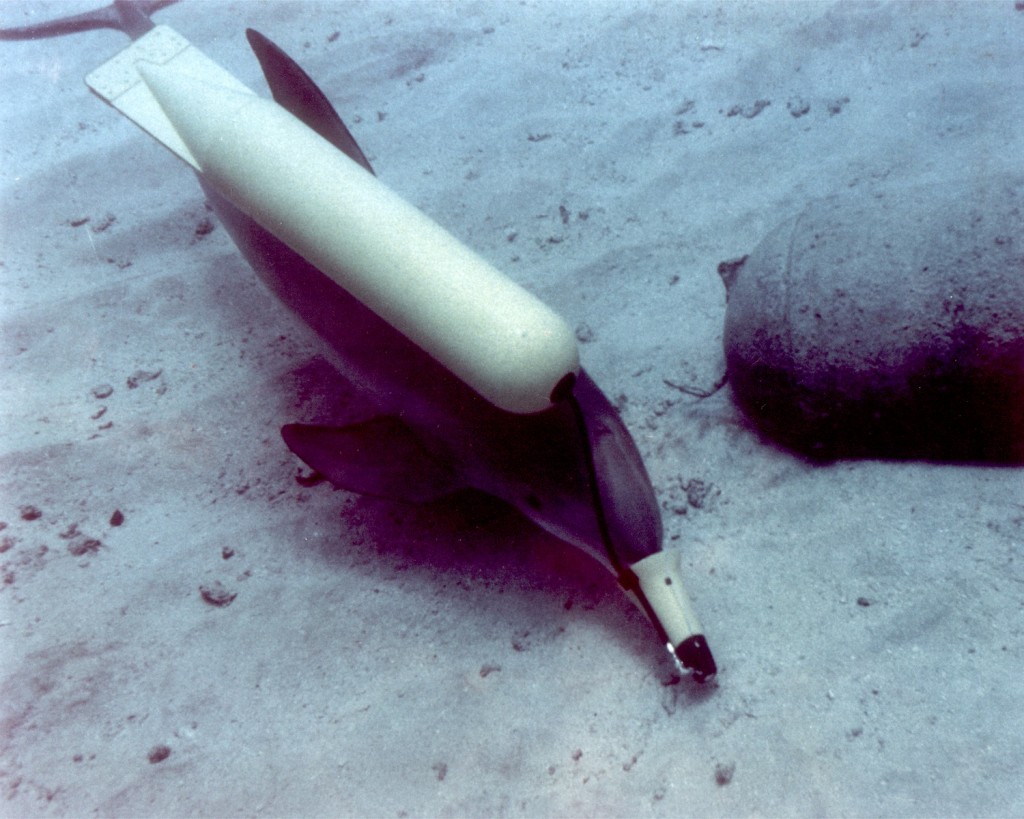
(87, 546)
(724, 772)
(158, 753)
(142, 376)
(216, 595)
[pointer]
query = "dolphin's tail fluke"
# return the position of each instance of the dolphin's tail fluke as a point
(122, 15)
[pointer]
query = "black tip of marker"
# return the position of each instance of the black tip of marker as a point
(695, 655)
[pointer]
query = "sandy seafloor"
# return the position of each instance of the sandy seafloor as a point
(452, 659)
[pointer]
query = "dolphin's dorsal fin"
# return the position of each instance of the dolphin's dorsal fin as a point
(294, 90)
(381, 457)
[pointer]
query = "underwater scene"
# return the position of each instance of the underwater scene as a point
(511, 409)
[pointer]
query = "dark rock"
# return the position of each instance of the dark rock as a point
(888, 325)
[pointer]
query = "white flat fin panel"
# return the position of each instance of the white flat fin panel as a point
(119, 83)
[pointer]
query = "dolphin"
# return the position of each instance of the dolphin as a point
(572, 468)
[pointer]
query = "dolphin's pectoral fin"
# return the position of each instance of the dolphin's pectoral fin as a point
(380, 457)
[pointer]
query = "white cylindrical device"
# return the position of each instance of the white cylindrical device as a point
(660, 577)
(490, 332)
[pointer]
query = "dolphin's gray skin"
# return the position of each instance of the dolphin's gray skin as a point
(573, 468)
